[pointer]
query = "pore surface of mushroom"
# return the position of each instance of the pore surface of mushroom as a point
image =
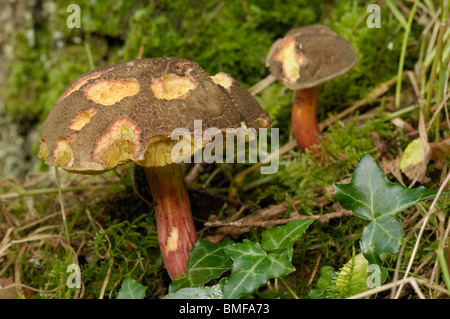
(127, 112)
(302, 60)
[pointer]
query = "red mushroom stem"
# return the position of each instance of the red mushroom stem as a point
(304, 119)
(174, 222)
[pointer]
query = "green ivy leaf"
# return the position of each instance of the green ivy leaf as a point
(253, 267)
(371, 196)
(382, 236)
(206, 261)
(131, 290)
(252, 264)
(284, 236)
(210, 292)
(327, 273)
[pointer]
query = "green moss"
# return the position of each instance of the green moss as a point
(376, 48)
(298, 176)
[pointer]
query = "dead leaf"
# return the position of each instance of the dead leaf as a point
(415, 156)
(414, 161)
(8, 293)
(440, 150)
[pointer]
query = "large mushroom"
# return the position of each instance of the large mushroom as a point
(305, 58)
(127, 112)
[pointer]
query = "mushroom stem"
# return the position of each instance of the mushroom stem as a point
(174, 222)
(304, 119)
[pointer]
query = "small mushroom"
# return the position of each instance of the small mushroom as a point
(127, 112)
(305, 58)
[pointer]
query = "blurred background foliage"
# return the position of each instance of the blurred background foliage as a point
(41, 56)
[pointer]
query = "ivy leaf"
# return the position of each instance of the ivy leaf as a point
(210, 292)
(284, 236)
(327, 273)
(253, 267)
(252, 264)
(371, 196)
(382, 236)
(131, 290)
(206, 261)
(255, 264)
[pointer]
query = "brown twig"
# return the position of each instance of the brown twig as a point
(375, 93)
(313, 274)
(259, 218)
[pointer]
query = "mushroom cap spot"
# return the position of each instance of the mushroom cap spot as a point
(290, 58)
(80, 82)
(172, 240)
(172, 86)
(109, 92)
(263, 122)
(82, 118)
(309, 56)
(43, 150)
(63, 153)
(119, 144)
(223, 79)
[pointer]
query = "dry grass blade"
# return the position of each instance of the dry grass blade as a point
(261, 85)
(422, 228)
(6, 242)
(401, 282)
(443, 103)
(373, 95)
(36, 238)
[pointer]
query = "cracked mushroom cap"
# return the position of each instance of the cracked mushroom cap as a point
(309, 56)
(127, 112)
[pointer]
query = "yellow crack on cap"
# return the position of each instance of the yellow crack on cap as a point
(172, 87)
(63, 153)
(119, 144)
(43, 150)
(290, 59)
(109, 92)
(80, 82)
(223, 80)
(82, 118)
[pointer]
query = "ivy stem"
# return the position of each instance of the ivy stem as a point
(289, 289)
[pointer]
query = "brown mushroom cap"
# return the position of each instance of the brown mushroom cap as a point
(127, 112)
(309, 56)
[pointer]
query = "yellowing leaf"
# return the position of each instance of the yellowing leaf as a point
(415, 159)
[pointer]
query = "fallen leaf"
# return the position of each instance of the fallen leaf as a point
(414, 161)
(415, 156)
(440, 150)
(8, 293)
